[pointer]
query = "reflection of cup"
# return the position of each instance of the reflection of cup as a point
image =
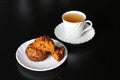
(74, 24)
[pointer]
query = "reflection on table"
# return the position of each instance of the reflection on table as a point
(41, 75)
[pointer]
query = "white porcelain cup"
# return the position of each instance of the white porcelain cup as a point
(74, 24)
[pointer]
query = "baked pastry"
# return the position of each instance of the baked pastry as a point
(58, 53)
(34, 54)
(44, 43)
(42, 47)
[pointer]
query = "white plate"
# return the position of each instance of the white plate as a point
(47, 64)
(59, 33)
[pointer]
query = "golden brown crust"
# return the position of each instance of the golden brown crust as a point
(35, 54)
(39, 49)
(44, 43)
(58, 53)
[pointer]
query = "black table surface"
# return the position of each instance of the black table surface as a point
(22, 20)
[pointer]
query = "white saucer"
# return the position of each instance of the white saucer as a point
(59, 33)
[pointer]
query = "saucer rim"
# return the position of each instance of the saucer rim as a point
(74, 41)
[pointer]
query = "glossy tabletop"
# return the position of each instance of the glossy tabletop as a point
(96, 59)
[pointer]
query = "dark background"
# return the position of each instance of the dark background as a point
(97, 59)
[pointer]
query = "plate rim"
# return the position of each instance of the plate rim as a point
(45, 69)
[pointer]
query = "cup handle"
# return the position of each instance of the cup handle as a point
(87, 27)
